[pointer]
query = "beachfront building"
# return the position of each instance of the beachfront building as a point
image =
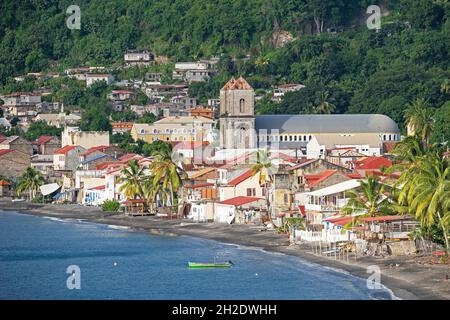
(240, 210)
(325, 202)
(174, 129)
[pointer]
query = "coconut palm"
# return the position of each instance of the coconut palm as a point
(264, 166)
(369, 200)
(426, 192)
(133, 178)
(30, 181)
(419, 119)
(167, 175)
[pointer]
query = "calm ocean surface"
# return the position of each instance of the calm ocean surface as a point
(121, 264)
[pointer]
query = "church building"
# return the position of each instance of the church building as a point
(241, 129)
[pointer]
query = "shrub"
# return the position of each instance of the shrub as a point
(111, 206)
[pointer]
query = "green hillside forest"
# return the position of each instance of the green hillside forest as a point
(329, 49)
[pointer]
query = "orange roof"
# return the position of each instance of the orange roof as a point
(102, 187)
(239, 201)
(93, 149)
(314, 179)
(200, 185)
(4, 183)
(65, 149)
(241, 178)
(44, 139)
(239, 84)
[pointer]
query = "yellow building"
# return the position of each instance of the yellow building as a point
(174, 129)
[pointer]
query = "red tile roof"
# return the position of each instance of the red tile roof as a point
(5, 151)
(99, 188)
(127, 157)
(2, 137)
(241, 178)
(105, 165)
(93, 149)
(341, 221)
(200, 185)
(372, 163)
(44, 139)
(239, 201)
(65, 149)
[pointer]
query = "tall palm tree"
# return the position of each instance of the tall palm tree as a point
(325, 107)
(370, 200)
(132, 177)
(264, 166)
(419, 119)
(167, 175)
(426, 191)
(30, 181)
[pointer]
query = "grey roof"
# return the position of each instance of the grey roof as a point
(329, 123)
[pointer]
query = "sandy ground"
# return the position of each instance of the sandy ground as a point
(407, 276)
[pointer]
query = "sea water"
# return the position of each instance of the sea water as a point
(116, 263)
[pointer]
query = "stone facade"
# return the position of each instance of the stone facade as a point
(73, 136)
(17, 143)
(13, 163)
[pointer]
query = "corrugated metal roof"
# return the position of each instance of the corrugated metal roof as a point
(329, 123)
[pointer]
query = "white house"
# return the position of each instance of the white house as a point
(368, 144)
(91, 78)
(239, 210)
(95, 196)
(324, 203)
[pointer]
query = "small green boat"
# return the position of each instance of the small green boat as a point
(199, 265)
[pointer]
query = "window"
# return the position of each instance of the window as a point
(242, 105)
(251, 192)
(264, 192)
(286, 198)
(384, 137)
(290, 138)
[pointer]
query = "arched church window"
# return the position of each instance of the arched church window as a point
(242, 105)
(242, 136)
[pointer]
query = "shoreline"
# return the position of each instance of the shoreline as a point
(410, 280)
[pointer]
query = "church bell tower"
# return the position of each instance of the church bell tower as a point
(237, 115)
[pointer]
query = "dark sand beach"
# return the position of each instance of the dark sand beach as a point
(404, 276)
